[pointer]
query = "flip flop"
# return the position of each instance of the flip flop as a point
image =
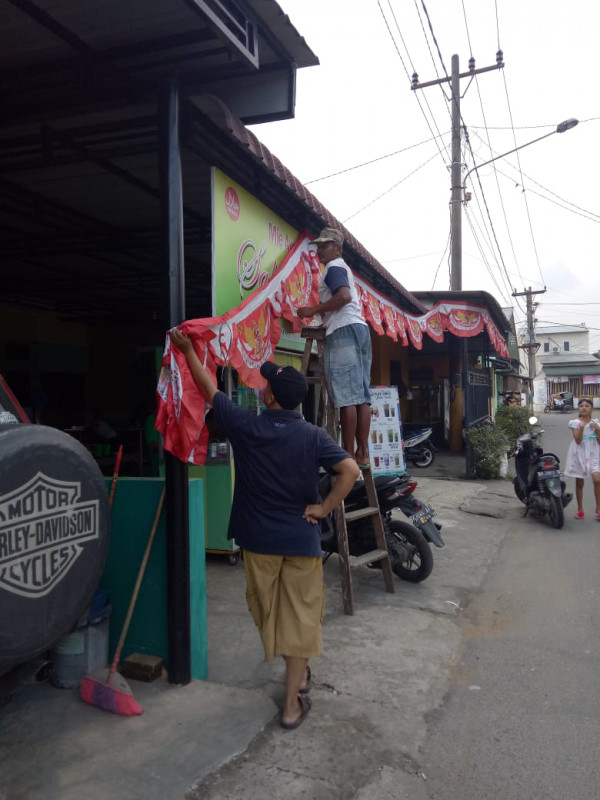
(580, 515)
(306, 689)
(598, 517)
(306, 704)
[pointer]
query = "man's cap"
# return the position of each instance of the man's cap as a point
(329, 235)
(289, 386)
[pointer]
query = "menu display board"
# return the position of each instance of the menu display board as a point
(385, 436)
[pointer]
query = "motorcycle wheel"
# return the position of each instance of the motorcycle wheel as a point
(566, 409)
(410, 553)
(547, 409)
(556, 512)
(425, 459)
(517, 489)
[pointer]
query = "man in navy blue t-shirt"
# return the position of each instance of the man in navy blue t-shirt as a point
(275, 513)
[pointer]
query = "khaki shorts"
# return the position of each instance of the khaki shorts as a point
(286, 598)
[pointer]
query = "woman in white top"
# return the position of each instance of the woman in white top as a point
(583, 458)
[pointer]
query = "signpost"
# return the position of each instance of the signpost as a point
(385, 438)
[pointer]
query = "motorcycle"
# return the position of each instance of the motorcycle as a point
(418, 449)
(408, 543)
(562, 402)
(538, 481)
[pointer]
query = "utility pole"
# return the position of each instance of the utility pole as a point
(456, 198)
(458, 359)
(530, 346)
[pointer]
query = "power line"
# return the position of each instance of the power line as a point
(526, 127)
(409, 78)
(412, 65)
(426, 39)
(492, 227)
(581, 212)
(446, 250)
(372, 161)
(387, 191)
(471, 221)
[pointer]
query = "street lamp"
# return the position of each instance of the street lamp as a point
(531, 349)
(560, 128)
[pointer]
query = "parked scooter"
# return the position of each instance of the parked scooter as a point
(408, 542)
(538, 481)
(418, 448)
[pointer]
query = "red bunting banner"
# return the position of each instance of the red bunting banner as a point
(245, 337)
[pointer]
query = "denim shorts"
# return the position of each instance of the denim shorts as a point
(348, 365)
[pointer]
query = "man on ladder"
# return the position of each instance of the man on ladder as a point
(347, 345)
(346, 381)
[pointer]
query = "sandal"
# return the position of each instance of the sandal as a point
(306, 689)
(305, 705)
(598, 517)
(581, 515)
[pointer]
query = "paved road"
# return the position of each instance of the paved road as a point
(520, 720)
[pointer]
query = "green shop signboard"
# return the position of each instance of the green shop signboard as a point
(249, 243)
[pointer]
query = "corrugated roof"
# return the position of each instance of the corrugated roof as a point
(570, 358)
(550, 329)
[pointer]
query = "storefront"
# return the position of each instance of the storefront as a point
(131, 202)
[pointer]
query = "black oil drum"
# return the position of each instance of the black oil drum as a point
(54, 535)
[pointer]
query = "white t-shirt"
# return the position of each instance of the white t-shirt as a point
(337, 274)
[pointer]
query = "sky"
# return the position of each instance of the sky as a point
(534, 216)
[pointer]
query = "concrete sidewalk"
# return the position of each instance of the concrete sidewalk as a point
(382, 672)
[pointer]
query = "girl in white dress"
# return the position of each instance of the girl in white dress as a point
(583, 458)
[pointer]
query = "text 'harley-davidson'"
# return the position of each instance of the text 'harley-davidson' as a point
(408, 542)
(538, 481)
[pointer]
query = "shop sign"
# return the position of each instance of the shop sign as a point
(249, 243)
(43, 531)
(591, 379)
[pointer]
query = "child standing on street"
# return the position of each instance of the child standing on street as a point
(583, 458)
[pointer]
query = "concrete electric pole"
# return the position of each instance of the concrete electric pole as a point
(458, 355)
(456, 197)
(530, 346)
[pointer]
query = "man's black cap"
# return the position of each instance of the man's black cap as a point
(289, 386)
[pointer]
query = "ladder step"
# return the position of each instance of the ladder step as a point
(369, 511)
(368, 558)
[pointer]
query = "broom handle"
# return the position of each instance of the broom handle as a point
(113, 485)
(136, 589)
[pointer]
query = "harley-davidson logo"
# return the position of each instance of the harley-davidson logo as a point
(43, 529)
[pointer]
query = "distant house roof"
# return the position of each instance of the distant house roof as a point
(570, 364)
(550, 329)
(569, 358)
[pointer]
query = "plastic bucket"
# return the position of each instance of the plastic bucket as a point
(83, 651)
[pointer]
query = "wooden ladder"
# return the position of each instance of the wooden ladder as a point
(326, 418)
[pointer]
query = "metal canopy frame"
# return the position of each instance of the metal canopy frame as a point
(79, 173)
(93, 162)
(73, 55)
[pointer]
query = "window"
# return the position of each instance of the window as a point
(566, 347)
(546, 347)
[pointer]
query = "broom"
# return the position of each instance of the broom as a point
(113, 485)
(111, 691)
